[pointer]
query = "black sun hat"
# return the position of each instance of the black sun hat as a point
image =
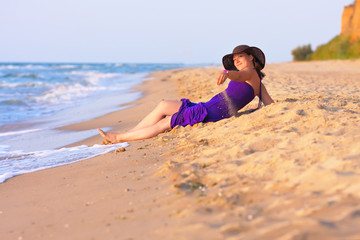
(259, 56)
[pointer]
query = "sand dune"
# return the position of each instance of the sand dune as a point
(290, 170)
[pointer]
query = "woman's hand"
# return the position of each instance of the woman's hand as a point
(223, 76)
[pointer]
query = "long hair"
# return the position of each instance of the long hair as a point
(257, 66)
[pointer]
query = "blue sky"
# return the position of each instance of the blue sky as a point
(166, 31)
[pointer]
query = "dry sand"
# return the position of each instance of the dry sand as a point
(290, 170)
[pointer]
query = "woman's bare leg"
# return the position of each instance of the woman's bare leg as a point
(153, 124)
(138, 134)
(163, 109)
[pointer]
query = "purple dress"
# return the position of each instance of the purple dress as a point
(223, 105)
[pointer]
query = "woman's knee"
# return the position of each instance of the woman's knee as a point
(168, 107)
(163, 103)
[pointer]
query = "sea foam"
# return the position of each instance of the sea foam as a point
(36, 99)
(13, 163)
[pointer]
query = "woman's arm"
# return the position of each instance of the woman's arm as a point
(239, 76)
(265, 97)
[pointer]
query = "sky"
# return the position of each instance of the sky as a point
(161, 31)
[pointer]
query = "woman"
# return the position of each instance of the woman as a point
(243, 67)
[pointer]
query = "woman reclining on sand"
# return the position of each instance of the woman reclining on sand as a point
(243, 68)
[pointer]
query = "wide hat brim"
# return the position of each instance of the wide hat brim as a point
(259, 56)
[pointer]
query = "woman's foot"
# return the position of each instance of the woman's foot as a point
(108, 136)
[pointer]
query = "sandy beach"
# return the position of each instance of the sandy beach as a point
(290, 170)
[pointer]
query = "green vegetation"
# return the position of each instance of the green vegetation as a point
(302, 53)
(338, 48)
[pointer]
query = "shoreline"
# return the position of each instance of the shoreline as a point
(287, 171)
(40, 213)
(133, 111)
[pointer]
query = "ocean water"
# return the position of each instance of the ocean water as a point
(37, 98)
